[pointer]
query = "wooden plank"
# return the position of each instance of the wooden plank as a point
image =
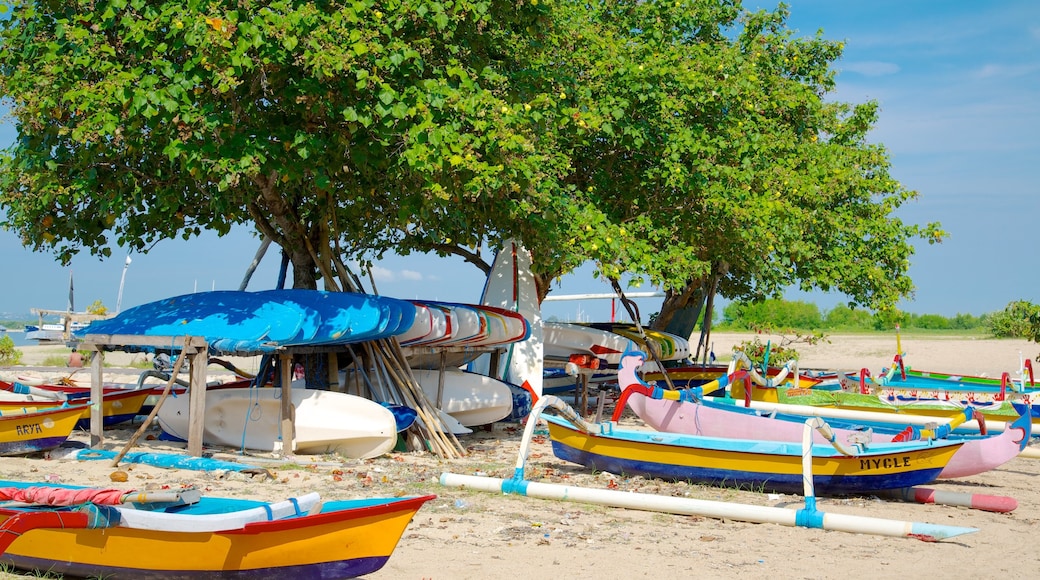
(197, 400)
(287, 434)
(113, 341)
(97, 402)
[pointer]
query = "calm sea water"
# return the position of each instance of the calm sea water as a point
(19, 338)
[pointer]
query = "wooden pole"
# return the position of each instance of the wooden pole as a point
(288, 431)
(97, 399)
(198, 360)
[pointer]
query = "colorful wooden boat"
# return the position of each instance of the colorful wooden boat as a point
(876, 401)
(1027, 371)
(685, 411)
(226, 538)
(697, 376)
(119, 406)
(32, 429)
(749, 463)
(898, 387)
(809, 516)
(673, 412)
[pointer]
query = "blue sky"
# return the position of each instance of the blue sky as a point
(959, 87)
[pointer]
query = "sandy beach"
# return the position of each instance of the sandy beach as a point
(474, 535)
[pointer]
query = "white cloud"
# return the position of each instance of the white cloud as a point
(871, 68)
(1003, 71)
(382, 274)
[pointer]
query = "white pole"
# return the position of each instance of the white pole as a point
(707, 508)
(122, 281)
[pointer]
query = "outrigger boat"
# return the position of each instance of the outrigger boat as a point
(752, 464)
(125, 534)
(808, 517)
(755, 463)
(898, 386)
(685, 411)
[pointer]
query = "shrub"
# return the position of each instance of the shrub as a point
(1014, 320)
(9, 355)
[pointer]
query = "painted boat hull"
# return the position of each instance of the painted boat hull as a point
(749, 464)
(1003, 411)
(260, 322)
(119, 406)
(345, 539)
(670, 346)
(326, 421)
(977, 455)
(33, 430)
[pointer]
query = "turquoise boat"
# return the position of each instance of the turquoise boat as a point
(236, 322)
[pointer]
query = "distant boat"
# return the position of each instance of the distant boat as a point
(51, 333)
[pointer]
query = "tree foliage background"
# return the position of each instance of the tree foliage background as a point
(692, 144)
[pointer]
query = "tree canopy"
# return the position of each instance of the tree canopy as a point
(689, 143)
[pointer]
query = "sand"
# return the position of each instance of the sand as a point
(465, 534)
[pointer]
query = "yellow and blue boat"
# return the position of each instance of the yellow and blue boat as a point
(31, 429)
(748, 463)
(226, 538)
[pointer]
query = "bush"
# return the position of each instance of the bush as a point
(772, 313)
(843, 317)
(9, 355)
(1015, 320)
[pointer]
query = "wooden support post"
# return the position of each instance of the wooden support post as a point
(287, 433)
(97, 399)
(197, 361)
(333, 365)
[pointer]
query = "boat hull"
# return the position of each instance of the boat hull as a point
(754, 465)
(471, 398)
(34, 430)
(325, 421)
(120, 404)
(346, 539)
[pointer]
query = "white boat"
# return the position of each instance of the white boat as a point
(326, 421)
(563, 339)
(51, 333)
(471, 398)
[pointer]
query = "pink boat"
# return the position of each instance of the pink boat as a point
(680, 412)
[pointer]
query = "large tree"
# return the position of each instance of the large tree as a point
(706, 139)
(322, 123)
(687, 142)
